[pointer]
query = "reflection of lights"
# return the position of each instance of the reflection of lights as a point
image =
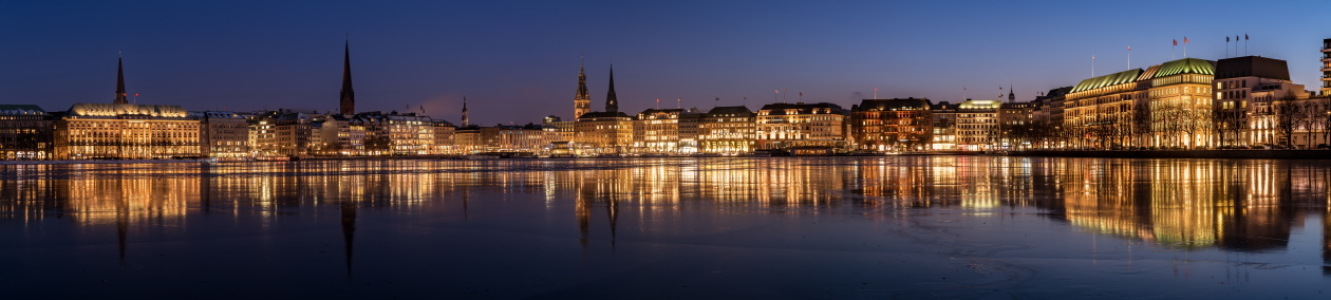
(1187, 203)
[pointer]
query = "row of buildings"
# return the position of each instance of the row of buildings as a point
(1188, 103)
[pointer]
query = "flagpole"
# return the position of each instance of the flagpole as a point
(1092, 65)
(1129, 57)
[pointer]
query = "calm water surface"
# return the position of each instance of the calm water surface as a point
(836, 227)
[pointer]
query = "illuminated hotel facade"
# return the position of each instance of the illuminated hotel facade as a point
(25, 132)
(784, 126)
(126, 131)
(891, 124)
(727, 130)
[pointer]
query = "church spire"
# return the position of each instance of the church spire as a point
(466, 119)
(348, 105)
(1011, 95)
(582, 102)
(611, 101)
(120, 81)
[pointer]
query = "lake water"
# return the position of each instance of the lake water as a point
(825, 227)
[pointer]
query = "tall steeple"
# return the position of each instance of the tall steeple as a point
(348, 105)
(611, 101)
(120, 81)
(466, 119)
(582, 102)
(1011, 95)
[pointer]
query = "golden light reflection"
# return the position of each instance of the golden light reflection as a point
(1236, 204)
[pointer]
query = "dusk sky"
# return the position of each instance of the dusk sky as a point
(517, 61)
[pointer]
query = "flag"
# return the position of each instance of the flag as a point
(776, 91)
(1226, 38)
(801, 94)
(1129, 48)
(1185, 40)
(1245, 36)
(1175, 42)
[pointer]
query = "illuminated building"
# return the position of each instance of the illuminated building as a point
(666, 131)
(1302, 123)
(396, 133)
(222, 134)
(1165, 105)
(1108, 111)
(786, 126)
(1048, 117)
(443, 137)
(557, 129)
(282, 133)
(582, 101)
(977, 124)
(891, 124)
(529, 138)
(25, 132)
(336, 134)
(1326, 66)
(1181, 103)
(1245, 89)
(604, 132)
(944, 123)
(1017, 125)
(726, 129)
(126, 131)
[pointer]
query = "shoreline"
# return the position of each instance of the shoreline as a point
(1186, 154)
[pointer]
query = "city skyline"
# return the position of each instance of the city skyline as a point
(244, 58)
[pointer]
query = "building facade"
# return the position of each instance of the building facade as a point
(885, 125)
(25, 133)
(727, 130)
(126, 131)
(786, 126)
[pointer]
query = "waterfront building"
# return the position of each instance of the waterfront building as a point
(1048, 116)
(1302, 123)
(1017, 125)
(223, 135)
(726, 129)
(604, 132)
(282, 132)
(126, 131)
(1108, 111)
(666, 131)
(396, 133)
(1181, 103)
(1326, 67)
(120, 130)
(977, 124)
(444, 142)
(468, 140)
(1245, 90)
(608, 132)
(943, 117)
(892, 124)
(336, 134)
(819, 127)
(25, 132)
(557, 129)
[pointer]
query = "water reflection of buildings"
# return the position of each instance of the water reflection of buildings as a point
(1239, 205)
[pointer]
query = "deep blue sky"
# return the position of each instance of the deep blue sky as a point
(517, 60)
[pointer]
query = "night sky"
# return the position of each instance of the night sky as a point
(517, 61)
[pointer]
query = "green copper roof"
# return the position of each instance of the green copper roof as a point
(1108, 80)
(1186, 66)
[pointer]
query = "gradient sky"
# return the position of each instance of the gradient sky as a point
(517, 61)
